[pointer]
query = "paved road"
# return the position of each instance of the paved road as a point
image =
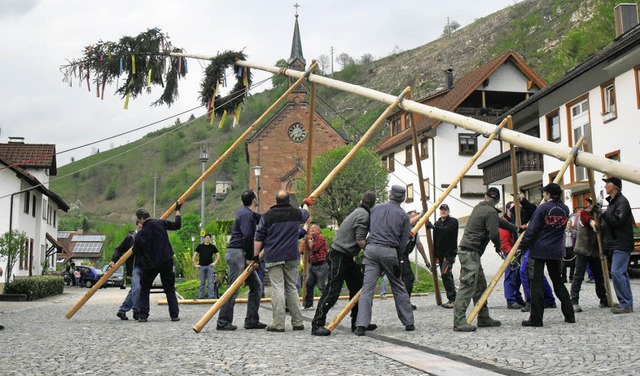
(39, 339)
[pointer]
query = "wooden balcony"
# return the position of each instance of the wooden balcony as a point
(497, 170)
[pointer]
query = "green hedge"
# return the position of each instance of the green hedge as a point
(36, 287)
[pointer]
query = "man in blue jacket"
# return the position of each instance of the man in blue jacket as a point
(238, 256)
(151, 245)
(278, 232)
(545, 239)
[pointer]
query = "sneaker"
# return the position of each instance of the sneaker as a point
(526, 308)
(122, 315)
(308, 308)
(618, 310)
(486, 323)
(174, 319)
(360, 331)
(383, 296)
(228, 327)
(410, 328)
(577, 308)
(298, 327)
(448, 305)
(515, 306)
(531, 323)
(368, 328)
(273, 329)
(321, 331)
(570, 320)
(464, 328)
(257, 325)
(142, 319)
(413, 307)
(136, 315)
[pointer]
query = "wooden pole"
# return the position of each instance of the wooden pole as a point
(182, 198)
(360, 144)
(332, 325)
(603, 257)
(514, 177)
(305, 243)
(510, 256)
(425, 208)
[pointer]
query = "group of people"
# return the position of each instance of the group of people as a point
(384, 232)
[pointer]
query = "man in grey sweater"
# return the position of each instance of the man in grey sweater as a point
(349, 240)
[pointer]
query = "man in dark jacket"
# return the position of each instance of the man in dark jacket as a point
(278, 232)
(545, 239)
(134, 270)
(350, 238)
(445, 243)
(483, 226)
(617, 229)
(152, 246)
(239, 254)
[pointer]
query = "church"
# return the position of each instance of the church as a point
(280, 146)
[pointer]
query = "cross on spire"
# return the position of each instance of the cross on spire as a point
(296, 5)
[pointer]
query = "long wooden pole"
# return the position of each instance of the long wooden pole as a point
(188, 193)
(420, 223)
(514, 177)
(305, 243)
(425, 208)
(359, 145)
(510, 256)
(332, 325)
(601, 254)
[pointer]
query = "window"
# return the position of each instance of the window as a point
(580, 127)
(33, 207)
(472, 186)
(409, 193)
(552, 177)
(392, 164)
(407, 120)
(608, 91)
(27, 196)
(425, 184)
(553, 127)
(54, 218)
(424, 148)
(467, 143)
(396, 126)
(44, 212)
(408, 158)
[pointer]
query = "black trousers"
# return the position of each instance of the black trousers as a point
(446, 271)
(342, 269)
(168, 279)
(407, 274)
(578, 277)
(537, 294)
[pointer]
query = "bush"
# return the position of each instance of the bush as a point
(36, 287)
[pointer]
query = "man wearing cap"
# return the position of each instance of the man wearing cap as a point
(617, 230)
(586, 250)
(445, 244)
(152, 246)
(545, 239)
(388, 236)
(483, 226)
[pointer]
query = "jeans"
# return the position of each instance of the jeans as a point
(512, 286)
(582, 262)
(283, 288)
(168, 279)
(526, 272)
(236, 262)
(537, 294)
(132, 301)
(206, 274)
(620, 277)
(317, 276)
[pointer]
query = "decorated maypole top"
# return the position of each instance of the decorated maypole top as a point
(150, 59)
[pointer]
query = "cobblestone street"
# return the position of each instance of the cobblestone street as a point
(39, 339)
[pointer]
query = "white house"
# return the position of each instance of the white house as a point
(485, 94)
(600, 99)
(27, 204)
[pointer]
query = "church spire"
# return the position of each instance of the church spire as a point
(296, 46)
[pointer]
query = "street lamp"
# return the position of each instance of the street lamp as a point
(256, 172)
(204, 156)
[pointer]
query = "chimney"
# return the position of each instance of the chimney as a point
(626, 15)
(448, 79)
(16, 140)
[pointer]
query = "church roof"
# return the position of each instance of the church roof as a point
(296, 45)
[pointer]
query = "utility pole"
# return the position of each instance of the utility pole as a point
(332, 49)
(155, 184)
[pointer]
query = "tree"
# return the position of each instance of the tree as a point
(323, 63)
(344, 60)
(366, 59)
(450, 27)
(11, 245)
(364, 172)
(277, 79)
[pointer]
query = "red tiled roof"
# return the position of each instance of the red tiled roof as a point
(450, 99)
(30, 155)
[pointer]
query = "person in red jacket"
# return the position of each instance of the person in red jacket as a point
(512, 274)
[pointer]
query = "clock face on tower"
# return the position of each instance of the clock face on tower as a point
(297, 132)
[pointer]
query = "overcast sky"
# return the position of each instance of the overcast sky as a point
(38, 37)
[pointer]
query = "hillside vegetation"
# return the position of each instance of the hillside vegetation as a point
(552, 36)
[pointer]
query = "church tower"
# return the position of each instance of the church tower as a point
(297, 62)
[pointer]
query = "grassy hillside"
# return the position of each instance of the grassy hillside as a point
(552, 36)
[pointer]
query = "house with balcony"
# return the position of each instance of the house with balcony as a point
(27, 204)
(598, 99)
(486, 93)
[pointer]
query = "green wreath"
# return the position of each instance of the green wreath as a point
(215, 74)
